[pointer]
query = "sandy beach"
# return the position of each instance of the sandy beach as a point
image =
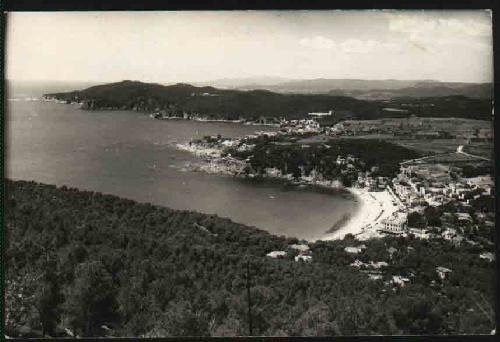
(373, 209)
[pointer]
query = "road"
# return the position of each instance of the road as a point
(460, 149)
(426, 157)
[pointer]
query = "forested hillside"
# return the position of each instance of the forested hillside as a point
(175, 100)
(208, 101)
(321, 157)
(89, 264)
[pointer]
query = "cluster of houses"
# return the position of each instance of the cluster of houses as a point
(418, 185)
(348, 164)
(223, 165)
(304, 253)
(374, 270)
(372, 183)
(316, 122)
(300, 126)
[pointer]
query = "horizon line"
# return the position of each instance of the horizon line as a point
(245, 78)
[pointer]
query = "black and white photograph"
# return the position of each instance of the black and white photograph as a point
(212, 173)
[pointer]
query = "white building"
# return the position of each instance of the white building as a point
(488, 256)
(374, 276)
(300, 247)
(321, 114)
(355, 250)
(340, 160)
(371, 183)
(443, 272)
(276, 254)
(395, 223)
(420, 233)
(399, 281)
(305, 258)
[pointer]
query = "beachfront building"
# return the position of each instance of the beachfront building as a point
(396, 223)
(371, 184)
(403, 190)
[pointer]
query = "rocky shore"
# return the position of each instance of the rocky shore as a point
(373, 206)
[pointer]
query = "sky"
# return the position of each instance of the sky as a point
(197, 46)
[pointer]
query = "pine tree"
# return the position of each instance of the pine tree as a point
(90, 302)
(49, 297)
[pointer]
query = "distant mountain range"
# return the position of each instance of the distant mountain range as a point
(247, 83)
(210, 102)
(358, 88)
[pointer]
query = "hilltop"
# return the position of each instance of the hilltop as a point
(210, 102)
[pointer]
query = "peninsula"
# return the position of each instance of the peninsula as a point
(187, 101)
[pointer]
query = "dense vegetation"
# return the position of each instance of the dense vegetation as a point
(100, 265)
(174, 100)
(300, 159)
(446, 106)
(208, 101)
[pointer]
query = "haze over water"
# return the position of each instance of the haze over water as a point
(131, 155)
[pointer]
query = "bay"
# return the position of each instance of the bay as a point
(128, 154)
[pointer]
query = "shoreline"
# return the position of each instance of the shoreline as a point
(151, 114)
(373, 207)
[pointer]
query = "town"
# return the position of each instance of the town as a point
(450, 175)
(250, 172)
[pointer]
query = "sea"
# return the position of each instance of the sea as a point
(131, 155)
